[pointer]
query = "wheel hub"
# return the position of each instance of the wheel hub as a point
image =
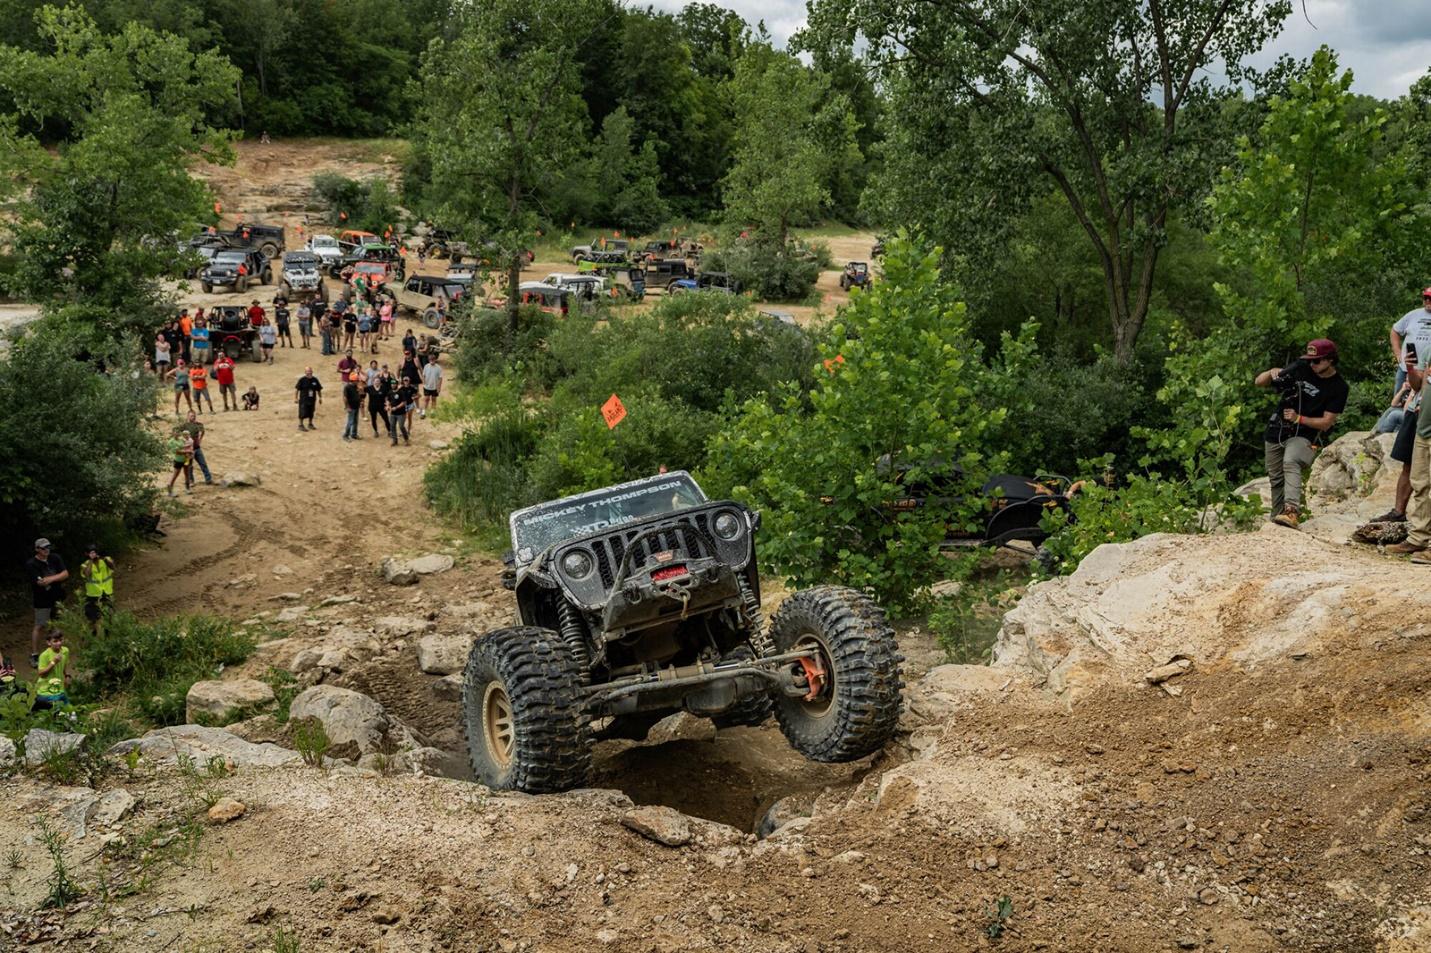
(817, 672)
(498, 725)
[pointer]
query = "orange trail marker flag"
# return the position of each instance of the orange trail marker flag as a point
(614, 411)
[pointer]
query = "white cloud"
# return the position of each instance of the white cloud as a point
(1386, 43)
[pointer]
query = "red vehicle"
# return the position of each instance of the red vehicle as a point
(377, 273)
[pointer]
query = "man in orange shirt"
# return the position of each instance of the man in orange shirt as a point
(186, 325)
(199, 384)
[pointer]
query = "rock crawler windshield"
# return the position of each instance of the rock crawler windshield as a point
(537, 527)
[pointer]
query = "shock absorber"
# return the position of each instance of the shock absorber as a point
(573, 633)
(759, 639)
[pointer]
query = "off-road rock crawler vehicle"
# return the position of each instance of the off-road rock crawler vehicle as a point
(643, 599)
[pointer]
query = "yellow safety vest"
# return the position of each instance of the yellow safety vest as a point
(99, 581)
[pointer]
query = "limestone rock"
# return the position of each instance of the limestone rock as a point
(1349, 466)
(779, 814)
(353, 721)
(946, 690)
(242, 478)
(399, 625)
(305, 660)
(41, 744)
(448, 688)
(664, 825)
(227, 809)
(1260, 488)
(221, 700)
(290, 614)
(201, 744)
(398, 572)
(443, 654)
(431, 563)
(7, 752)
(682, 726)
(112, 806)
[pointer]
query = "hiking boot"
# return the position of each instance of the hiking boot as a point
(1390, 516)
(1404, 549)
(1289, 517)
(1422, 558)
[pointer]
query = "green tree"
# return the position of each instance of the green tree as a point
(95, 218)
(625, 177)
(789, 133)
(1112, 102)
(503, 121)
(905, 393)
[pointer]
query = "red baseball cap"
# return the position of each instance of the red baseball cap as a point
(1426, 293)
(1321, 347)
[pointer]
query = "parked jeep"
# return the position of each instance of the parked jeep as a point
(326, 247)
(855, 275)
(268, 239)
(660, 274)
(235, 268)
(420, 295)
(371, 251)
(643, 599)
(302, 272)
(717, 281)
(618, 247)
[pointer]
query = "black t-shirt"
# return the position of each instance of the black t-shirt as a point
(410, 371)
(308, 388)
(45, 597)
(409, 343)
(317, 309)
(1313, 397)
(378, 391)
(352, 396)
(280, 316)
(401, 397)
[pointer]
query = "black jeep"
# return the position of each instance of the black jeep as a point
(643, 599)
(237, 268)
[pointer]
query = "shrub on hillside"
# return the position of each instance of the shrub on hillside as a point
(371, 204)
(76, 462)
(904, 381)
(772, 273)
(153, 662)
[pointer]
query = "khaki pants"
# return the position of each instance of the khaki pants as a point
(1286, 463)
(1418, 511)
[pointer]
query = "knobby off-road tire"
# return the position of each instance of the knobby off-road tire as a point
(431, 319)
(751, 712)
(522, 714)
(208, 288)
(858, 709)
(241, 284)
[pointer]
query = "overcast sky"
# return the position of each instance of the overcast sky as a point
(1386, 43)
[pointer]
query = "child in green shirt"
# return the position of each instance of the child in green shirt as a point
(50, 676)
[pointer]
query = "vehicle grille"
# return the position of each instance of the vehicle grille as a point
(689, 536)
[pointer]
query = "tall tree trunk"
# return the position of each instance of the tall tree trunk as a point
(514, 279)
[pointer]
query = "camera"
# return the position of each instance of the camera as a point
(1286, 382)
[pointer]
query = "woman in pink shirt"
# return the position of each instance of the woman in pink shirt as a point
(385, 314)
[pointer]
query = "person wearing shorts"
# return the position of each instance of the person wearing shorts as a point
(180, 373)
(224, 374)
(280, 321)
(161, 355)
(199, 342)
(47, 574)
(431, 384)
(181, 456)
(385, 315)
(267, 337)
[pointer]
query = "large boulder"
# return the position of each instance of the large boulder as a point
(398, 572)
(431, 563)
(946, 690)
(1245, 598)
(242, 478)
(1350, 467)
(355, 724)
(225, 700)
(443, 654)
(201, 744)
(41, 744)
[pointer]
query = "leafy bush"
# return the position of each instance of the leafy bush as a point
(773, 273)
(967, 623)
(371, 205)
(487, 348)
(77, 463)
(154, 662)
(904, 385)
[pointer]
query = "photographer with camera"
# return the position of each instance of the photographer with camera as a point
(1313, 394)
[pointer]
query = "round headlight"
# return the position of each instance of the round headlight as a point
(576, 564)
(727, 526)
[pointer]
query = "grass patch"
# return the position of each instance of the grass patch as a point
(966, 623)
